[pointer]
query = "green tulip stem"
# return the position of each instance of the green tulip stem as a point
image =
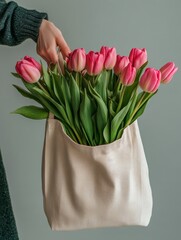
(77, 135)
(118, 85)
(77, 78)
(93, 80)
(42, 88)
(123, 88)
(142, 100)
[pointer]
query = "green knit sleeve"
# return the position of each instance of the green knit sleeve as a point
(17, 23)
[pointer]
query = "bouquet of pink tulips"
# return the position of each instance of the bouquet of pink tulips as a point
(96, 95)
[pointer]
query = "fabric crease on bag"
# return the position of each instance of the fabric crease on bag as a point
(95, 186)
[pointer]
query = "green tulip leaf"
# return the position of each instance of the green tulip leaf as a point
(48, 102)
(54, 68)
(54, 92)
(142, 107)
(120, 133)
(67, 99)
(57, 87)
(136, 97)
(16, 75)
(116, 84)
(139, 112)
(112, 80)
(48, 81)
(60, 109)
(117, 121)
(106, 132)
(46, 77)
(86, 116)
(66, 90)
(96, 139)
(112, 108)
(85, 138)
(25, 93)
(75, 95)
(102, 82)
(102, 112)
(30, 87)
(75, 100)
(77, 76)
(140, 70)
(32, 112)
(49, 106)
(130, 89)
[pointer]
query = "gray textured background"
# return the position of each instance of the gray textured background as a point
(153, 24)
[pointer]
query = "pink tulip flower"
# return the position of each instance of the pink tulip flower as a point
(109, 57)
(128, 75)
(34, 62)
(167, 72)
(150, 80)
(138, 57)
(121, 63)
(29, 69)
(94, 63)
(77, 60)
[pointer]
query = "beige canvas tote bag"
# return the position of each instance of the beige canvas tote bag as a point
(99, 186)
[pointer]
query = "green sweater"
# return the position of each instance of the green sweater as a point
(8, 229)
(16, 25)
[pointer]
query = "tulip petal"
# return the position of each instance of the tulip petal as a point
(30, 74)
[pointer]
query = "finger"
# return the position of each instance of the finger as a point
(40, 52)
(65, 50)
(51, 55)
(46, 60)
(60, 61)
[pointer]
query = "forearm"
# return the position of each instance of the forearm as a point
(17, 23)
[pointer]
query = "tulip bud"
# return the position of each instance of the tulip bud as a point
(128, 75)
(94, 63)
(77, 60)
(109, 57)
(29, 69)
(167, 72)
(150, 80)
(138, 57)
(121, 63)
(33, 62)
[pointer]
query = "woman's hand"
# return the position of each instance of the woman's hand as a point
(49, 38)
